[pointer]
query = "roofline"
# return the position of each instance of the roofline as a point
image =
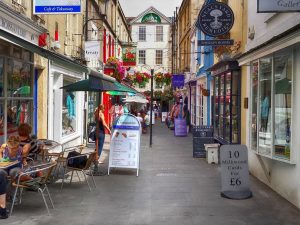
(145, 11)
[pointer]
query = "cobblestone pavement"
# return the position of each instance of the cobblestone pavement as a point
(172, 188)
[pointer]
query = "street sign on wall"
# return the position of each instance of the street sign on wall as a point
(277, 6)
(215, 19)
(56, 6)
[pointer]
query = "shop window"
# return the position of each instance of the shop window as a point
(282, 104)
(227, 107)
(19, 79)
(18, 111)
(265, 102)
(69, 111)
(1, 76)
(271, 95)
(254, 92)
(2, 118)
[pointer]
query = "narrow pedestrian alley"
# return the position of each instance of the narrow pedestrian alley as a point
(172, 188)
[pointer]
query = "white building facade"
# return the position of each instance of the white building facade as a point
(151, 31)
(271, 58)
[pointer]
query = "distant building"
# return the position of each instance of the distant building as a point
(151, 31)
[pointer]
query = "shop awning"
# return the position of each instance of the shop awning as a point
(54, 56)
(97, 84)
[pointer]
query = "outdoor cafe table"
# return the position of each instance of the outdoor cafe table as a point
(6, 165)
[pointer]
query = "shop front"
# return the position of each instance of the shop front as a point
(226, 102)
(272, 121)
(65, 111)
(18, 72)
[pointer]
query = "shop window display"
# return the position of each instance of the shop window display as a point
(265, 119)
(68, 111)
(271, 96)
(19, 79)
(227, 107)
(1, 76)
(282, 104)
(254, 92)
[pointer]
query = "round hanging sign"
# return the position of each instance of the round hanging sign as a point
(215, 19)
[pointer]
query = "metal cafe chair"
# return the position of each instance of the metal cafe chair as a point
(39, 183)
(87, 167)
(62, 159)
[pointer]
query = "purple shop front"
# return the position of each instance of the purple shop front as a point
(180, 127)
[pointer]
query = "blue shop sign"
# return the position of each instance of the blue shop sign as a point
(56, 6)
(178, 81)
(215, 19)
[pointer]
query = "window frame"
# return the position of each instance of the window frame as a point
(159, 35)
(139, 56)
(142, 36)
(273, 155)
(157, 57)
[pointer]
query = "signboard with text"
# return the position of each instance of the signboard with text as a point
(177, 81)
(92, 50)
(215, 42)
(125, 143)
(235, 172)
(56, 6)
(277, 6)
(215, 19)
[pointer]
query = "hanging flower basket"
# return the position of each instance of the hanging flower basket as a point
(141, 79)
(205, 92)
(167, 79)
(114, 68)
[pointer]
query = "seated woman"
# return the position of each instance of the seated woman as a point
(14, 152)
(30, 148)
(3, 212)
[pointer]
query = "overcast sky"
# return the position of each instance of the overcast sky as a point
(132, 8)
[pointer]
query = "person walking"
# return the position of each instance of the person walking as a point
(100, 130)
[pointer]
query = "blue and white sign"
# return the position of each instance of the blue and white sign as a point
(125, 143)
(56, 6)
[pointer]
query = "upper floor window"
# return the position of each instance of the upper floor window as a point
(142, 33)
(158, 57)
(159, 33)
(142, 57)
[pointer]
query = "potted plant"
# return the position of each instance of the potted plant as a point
(167, 79)
(114, 68)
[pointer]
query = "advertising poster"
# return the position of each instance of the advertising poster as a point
(125, 143)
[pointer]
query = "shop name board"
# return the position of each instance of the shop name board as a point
(177, 81)
(215, 19)
(56, 6)
(151, 18)
(129, 56)
(277, 6)
(235, 172)
(13, 28)
(92, 49)
(215, 42)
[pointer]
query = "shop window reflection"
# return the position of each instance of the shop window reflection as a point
(265, 122)
(282, 103)
(254, 90)
(1, 76)
(68, 111)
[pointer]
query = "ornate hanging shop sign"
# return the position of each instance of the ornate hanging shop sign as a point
(278, 6)
(215, 19)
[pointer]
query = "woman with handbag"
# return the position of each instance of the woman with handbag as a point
(100, 129)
